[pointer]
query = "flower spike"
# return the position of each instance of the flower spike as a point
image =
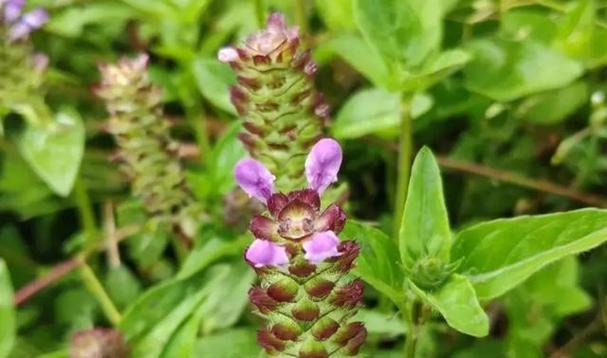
(306, 293)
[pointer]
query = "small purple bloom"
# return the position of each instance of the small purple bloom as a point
(227, 54)
(28, 23)
(268, 40)
(254, 178)
(39, 61)
(266, 253)
(12, 10)
(322, 246)
(322, 164)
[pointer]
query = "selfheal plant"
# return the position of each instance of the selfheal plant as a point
(148, 153)
(305, 293)
(283, 114)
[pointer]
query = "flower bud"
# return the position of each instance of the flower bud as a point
(98, 343)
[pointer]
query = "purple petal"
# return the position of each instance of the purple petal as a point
(266, 253)
(254, 178)
(272, 38)
(28, 23)
(227, 55)
(12, 10)
(322, 246)
(40, 61)
(35, 18)
(323, 163)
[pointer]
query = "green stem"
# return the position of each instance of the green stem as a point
(85, 211)
(404, 163)
(301, 16)
(96, 288)
(260, 12)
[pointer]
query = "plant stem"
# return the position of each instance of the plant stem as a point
(96, 288)
(85, 211)
(63, 268)
(404, 163)
(260, 12)
(301, 16)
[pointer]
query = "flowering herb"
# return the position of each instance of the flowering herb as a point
(147, 152)
(305, 290)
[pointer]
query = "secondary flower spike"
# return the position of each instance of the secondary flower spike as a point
(306, 292)
(22, 87)
(147, 152)
(283, 114)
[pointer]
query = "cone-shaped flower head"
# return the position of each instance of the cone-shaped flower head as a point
(147, 152)
(305, 291)
(282, 112)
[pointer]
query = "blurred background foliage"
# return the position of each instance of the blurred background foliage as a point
(510, 94)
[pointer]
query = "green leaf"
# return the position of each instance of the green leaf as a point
(72, 21)
(150, 323)
(225, 154)
(228, 299)
(183, 341)
(553, 106)
(457, 303)
(54, 151)
(425, 231)
(505, 70)
(336, 14)
(122, 286)
(498, 255)
(378, 262)
(214, 80)
(361, 56)
(209, 251)
(234, 343)
(389, 26)
(366, 112)
(7, 312)
(382, 324)
(528, 24)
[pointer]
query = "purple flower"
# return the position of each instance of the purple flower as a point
(227, 54)
(28, 23)
(323, 163)
(266, 253)
(254, 178)
(322, 246)
(275, 34)
(39, 61)
(12, 10)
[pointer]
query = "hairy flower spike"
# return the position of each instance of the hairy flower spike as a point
(283, 114)
(146, 149)
(305, 292)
